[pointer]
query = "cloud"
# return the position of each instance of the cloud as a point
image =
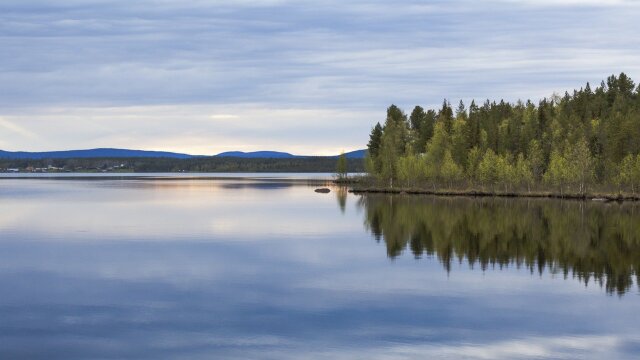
(193, 129)
(557, 3)
(16, 129)
(223, 116)
(567, 347)
(355, 57)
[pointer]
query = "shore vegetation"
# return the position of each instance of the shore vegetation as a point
(580, 143)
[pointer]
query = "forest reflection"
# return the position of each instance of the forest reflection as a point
(593, 242)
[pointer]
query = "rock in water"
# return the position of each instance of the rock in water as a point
(323, 190)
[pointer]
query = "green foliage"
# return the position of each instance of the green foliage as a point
(375, 140)
(369, 164)
(450, 171)
(417, 118)
(505, 172)
(445, 116)
(557, 174)
(473, 162)
(570, 142)
(487, 168)
(629, 172)
(341, 166)
(523, 172)
(410, 169)
(536, 159)
(459, 140)
(437, 147)
(580, 165)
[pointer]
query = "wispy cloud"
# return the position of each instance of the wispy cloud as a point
(16, 129)
(355, 57)
(568, 347)
(557, 3)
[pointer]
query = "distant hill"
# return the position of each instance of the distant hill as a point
(126, 153)
(358, 154)
(258, 155)
(92, 153)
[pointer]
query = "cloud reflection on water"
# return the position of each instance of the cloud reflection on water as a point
(289, 295)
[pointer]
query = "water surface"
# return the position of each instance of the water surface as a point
(266, 268)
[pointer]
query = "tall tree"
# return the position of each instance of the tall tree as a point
(580, 165)
(459, 140)
(417, 118)
(436, 150)
(524, 175)
(536, 159)
(557, 172)
(425, 132)
(375, 139)
(445, 115)
(341, 166)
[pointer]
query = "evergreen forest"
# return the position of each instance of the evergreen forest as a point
(580, 142)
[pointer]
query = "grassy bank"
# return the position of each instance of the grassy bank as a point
(362, 185)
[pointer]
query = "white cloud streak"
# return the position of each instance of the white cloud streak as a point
(16, 130)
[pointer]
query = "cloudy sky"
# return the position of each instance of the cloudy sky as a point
(309, 77)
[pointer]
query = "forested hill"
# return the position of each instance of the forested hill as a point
(588, 138)
(92, 153)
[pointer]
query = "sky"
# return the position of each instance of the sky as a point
(307, 77)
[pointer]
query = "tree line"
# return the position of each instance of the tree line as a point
(572, 143)
(205, 164)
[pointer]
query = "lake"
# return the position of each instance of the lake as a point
(262, 267)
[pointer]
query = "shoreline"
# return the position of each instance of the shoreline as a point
(477, 193)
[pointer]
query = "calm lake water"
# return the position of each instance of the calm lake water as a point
(265, 268)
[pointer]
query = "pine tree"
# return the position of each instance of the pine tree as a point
(445, 115)
(375, 140)
(417, 118)
(425, 132)
(459, 141)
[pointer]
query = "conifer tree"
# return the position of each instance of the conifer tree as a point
(375, 139)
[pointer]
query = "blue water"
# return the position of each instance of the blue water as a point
(267, 269)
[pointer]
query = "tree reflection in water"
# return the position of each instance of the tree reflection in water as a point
(594, 242)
